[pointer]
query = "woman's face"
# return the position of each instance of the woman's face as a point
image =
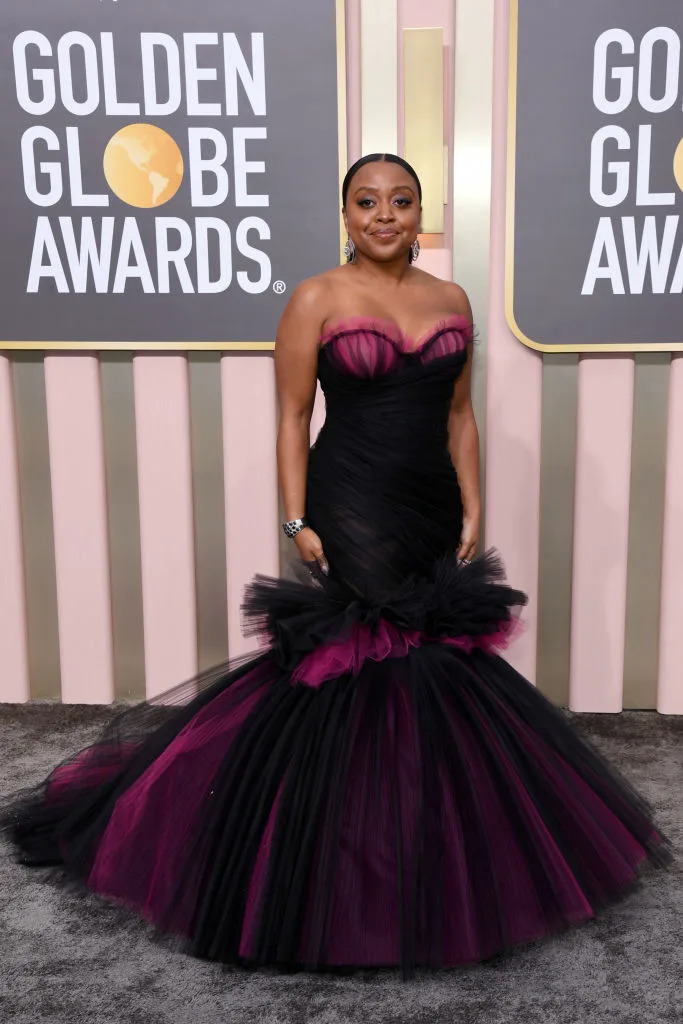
(382, 212)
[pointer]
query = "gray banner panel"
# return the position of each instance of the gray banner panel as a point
(170, 170)
(597, 97)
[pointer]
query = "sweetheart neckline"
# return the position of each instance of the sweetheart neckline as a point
(392, 332)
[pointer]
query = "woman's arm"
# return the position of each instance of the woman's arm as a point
(463, 445)
(296, 354)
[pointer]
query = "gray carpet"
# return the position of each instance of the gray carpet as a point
(66, 956)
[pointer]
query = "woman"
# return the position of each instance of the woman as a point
(378, 786)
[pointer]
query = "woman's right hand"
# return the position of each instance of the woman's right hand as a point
(311, 548)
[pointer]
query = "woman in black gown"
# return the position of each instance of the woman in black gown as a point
(378, 786)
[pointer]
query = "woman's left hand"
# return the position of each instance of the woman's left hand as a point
(469, 538)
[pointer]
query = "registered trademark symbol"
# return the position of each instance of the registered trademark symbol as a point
(279, 287)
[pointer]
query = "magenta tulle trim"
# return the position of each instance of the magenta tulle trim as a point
(455, 322)
(386, 640)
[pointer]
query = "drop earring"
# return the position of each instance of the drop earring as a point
(414, 251)
(349, 250)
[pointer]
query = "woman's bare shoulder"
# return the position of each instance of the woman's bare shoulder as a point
(313, 293)
(449, 294)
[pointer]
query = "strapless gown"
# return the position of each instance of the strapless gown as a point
(376, 785)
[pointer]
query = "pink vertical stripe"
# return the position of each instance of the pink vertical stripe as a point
(79, 509)
(162, 414)
(438, 262)
(670, 684)
(14, 675)
(353, 80)
(251, 498)
(513, 427)
(601, 507)
(318, 414)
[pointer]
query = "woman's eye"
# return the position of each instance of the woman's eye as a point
(364, 202)
(403, 201)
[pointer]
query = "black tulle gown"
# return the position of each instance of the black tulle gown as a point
(376, 786)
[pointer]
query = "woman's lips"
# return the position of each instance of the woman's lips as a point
(385, 234)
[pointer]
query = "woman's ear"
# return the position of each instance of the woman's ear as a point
(346, 224)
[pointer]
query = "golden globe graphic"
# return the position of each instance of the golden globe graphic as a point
(143, 165)
(678, 165)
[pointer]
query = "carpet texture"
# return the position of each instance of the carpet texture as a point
(67, 957)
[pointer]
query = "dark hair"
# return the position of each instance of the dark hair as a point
(372, 158)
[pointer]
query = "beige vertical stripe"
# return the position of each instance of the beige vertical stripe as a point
(14, 682)
(36, 518)
(556, 529)
(379, 76)
(118, 412)
(353, 80)
(648, 469)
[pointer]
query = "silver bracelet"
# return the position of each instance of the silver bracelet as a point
(294, 526)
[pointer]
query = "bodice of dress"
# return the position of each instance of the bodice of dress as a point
(385, 388)
(382, 490)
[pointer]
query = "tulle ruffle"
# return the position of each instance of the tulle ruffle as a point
(318, 631)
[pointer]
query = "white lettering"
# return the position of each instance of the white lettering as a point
(194, 74)
(623, 75)
(44, 244)
(69, 42)
(672, 69)
(132, 262)
(205, 284)
(45, 76)
(253, 82)
(178, 257)
(260, 258)
(51, 169)
(78, 196)
(149, 42)
(92, 255)
(618, 168)
(112, 104)
(644, 197)
(604, 243)
(209, 165)
(243, 167)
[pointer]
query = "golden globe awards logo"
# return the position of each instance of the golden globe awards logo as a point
(208, 80)
(632, 255)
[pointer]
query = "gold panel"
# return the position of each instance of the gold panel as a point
(33, 452)
(423, 119)
(123, 520)
(646, 518)
(556, 528)
(208, 491)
